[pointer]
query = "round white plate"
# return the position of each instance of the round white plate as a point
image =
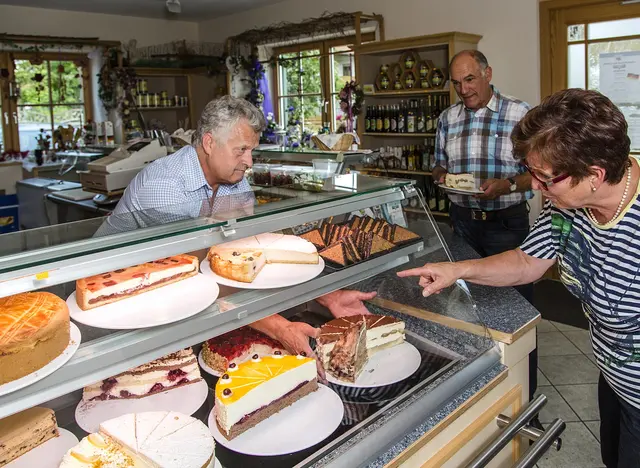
(186, 400)
(273, 275)
(312, 418)
(168, 304)
(47, 455)
(205, 367)
(460, 191)
(57, 363)
(385, 367)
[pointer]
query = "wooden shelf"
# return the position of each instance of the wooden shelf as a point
(160, 108)
(393, 171)
(397, 94)
(419, 211)
(400, 135)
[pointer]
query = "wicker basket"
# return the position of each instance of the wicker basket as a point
(343, 144)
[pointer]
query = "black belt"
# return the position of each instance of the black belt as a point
(480, 215)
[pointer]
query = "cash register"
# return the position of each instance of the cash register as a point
(110, 175)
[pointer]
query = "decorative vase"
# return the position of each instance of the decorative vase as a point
(39, 159)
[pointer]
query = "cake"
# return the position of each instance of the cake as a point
(315, 238)
(348, 355)
(251, 392)
(382, 332)
(169, 372)
(460, 181)
(25, 431)
(34, 330)
(157, 439)
(237, 346)
(242, 259)
(113, 286)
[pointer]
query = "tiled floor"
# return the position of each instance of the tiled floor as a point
(568, 377)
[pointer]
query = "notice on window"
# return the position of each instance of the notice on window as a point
(620, 77)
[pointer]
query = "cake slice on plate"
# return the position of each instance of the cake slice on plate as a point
(460, 181)
(255, 390)
(379, 245)
(167, 373)
(237, 264)
(113, 286)
(315, 237)
(22, 432)
(236, 347)
(336, 254)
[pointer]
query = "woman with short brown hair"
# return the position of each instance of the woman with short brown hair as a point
(575, 146)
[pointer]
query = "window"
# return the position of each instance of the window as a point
(53, 92)
(309, 78)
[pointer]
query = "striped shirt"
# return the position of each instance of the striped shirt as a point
(480, 143)
(601, 267)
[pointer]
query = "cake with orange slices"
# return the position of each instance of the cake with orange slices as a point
(251, 392)
(34, 330)
(156, 439)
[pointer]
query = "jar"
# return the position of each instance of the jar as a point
(142, 86)
(281, 175)
(176, 101)
(156, 100)
(147, 100)
(262, 173)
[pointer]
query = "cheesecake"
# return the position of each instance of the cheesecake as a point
(255, 390)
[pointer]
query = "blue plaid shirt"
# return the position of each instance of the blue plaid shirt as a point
(173, 189)
(480, 143)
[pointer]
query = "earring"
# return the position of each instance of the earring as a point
(593, 189)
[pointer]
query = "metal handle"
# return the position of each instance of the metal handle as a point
(528, 432)
(15, 118)
(509, 432)
(544, 443)
(6, 118)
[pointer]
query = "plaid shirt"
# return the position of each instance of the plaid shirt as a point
(174, 189)
(480, 143)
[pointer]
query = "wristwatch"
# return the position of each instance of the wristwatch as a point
(513, 186)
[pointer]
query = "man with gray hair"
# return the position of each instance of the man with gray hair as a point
(213, 166)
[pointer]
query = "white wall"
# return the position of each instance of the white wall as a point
(509, 29)
(45, 22)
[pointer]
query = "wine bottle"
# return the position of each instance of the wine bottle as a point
(367, 120)
(379, 121)
(420, 124)
(394, 119)
(411, 119)
(387, 120)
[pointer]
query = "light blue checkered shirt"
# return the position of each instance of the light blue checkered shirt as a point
(173, 189)
(480, 143)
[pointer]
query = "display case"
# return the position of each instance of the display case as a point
(450, 346)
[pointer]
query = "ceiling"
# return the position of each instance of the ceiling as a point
(192, 10)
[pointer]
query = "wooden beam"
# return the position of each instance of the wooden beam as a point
(43, 40)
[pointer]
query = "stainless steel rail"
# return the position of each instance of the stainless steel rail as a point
(543, 444)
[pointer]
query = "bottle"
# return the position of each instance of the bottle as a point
(432, 194)
(402, 120)
(425, 156)
(387, 120)
(427, 113)
(411, 119)
(404, 158)
(442, 204)
(379, 121)
(367, 120)
(420, 124)
(394, 119)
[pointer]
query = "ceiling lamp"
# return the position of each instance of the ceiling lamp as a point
(173, 6)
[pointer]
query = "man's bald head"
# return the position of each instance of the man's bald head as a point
(471, 77)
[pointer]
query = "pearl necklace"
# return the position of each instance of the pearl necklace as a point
(620, 205)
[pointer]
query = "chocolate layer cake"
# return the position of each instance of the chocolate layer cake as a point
(349, 354)
(25, 431)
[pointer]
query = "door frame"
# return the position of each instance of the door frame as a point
(555, 17)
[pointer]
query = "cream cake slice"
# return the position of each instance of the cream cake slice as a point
(383, 332)
(348, 356)
(24, 431)
(251, 392)
(237, 264)
(460, 181)
(167, 373)
(159, 439)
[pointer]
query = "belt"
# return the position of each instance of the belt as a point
(480, 215)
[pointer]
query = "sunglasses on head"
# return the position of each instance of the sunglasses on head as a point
(546, 183)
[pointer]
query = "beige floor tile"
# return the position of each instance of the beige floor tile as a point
(555, 344)
(594, 427)
(566, 370)
(580, 449)
(583, 399)
(564, 327)
(546, 326)
(542, 380)
(581, 339)
(556, 407)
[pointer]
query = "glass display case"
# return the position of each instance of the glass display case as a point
(451, 345)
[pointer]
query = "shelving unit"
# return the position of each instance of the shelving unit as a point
(169, 108)
(400, 135)
(407, 93)
(393, 171)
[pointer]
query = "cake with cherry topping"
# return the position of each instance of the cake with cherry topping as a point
(113, 286)
(238, 346)
(255, 390)
(167, 373)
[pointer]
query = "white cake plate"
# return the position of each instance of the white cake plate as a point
(57, 363)
(460, 191)
(385, 367)
(47, 455)
(167, 304)
(272, 275)
(312, 418)
(186, 400)
(205, 367)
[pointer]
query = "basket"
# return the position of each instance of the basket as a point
(343, 144)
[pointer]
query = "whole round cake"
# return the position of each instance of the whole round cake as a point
(34, 330)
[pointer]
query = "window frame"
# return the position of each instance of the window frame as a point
(326, 77)
(10, 121)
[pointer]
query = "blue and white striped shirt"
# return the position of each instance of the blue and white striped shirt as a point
(480, 143)
(601, 267)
